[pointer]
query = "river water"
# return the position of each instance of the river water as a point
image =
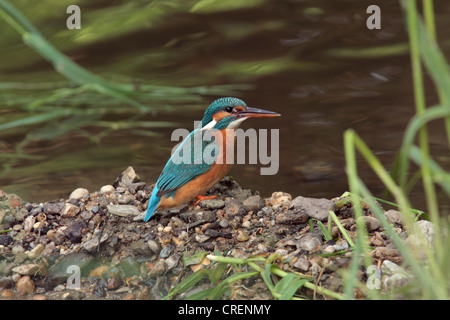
(315, 62)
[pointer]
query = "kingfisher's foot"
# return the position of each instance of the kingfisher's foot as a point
(201, 198)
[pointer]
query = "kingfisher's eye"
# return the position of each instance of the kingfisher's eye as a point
(229, 109)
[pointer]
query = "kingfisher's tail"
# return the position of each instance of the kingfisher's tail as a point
(152, 204)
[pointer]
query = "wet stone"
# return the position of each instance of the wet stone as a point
(166, 251)
(25, 285)
(6, 240)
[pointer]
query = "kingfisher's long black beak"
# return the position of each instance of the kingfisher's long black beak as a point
(254, 112)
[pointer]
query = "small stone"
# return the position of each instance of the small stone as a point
(115, 281)
(166, 251)
(234, 207)
(372, 223)
(315, 208)
(125, 198)
(172, 261)
(6, 240)
(200, 238)
(140, 247)
(329, 249)
(107, 189)
(78, 193)
(394, 216)
(25, 285)
(39, 297)
(154, 246)
(145, 294)
(70, 210)
(426, 228)
(158, 269)
(123, 210)
(129, 296)
(27, 269)
(302, 264)
(53, 207)
(126, 178)
(308, 242)
(92, 245)
(267, 210)
(224, 223)
(36, 251)
(28, 223)
(254, 203)
(212, 204)
(6, 293)
(75, 231)
(389, 267)
(292, 218)
(246, 224)
(6, 283)
(242, 236)
(280, 197)
(99, 271)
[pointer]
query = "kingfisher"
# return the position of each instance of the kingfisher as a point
(199, 162)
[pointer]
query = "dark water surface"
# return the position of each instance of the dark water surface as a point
(315, 62)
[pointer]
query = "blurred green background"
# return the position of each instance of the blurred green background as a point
(315, 62)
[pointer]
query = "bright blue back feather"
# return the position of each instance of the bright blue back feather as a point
(152, 204)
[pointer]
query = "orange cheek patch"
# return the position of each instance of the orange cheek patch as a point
(240, 108)
(220, 115)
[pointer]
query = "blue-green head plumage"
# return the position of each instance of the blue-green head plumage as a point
(223, 104)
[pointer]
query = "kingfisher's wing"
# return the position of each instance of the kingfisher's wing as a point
(193, 157)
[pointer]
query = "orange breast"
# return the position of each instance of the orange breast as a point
(206, 181)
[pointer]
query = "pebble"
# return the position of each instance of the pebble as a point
(75, 231)
(242, 236)
(254, 203)
(315, 208)
(212, 204)
(6, 240)
(27, 269)
(394, 216)
(166, 251)
(233, 207)
(302, 264)
(25, 285)
(70, 210)
(372, 223)
(292, 218)
(279, 198)
(154, 246)
(36, 251)
(389, 267)
(53, 207)
(99, 271)
(126, 178)
(92, 245)
(123, 210)
(78, 193)
(28, 223)
(107, 189)
(308, 242)
(158, 269)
